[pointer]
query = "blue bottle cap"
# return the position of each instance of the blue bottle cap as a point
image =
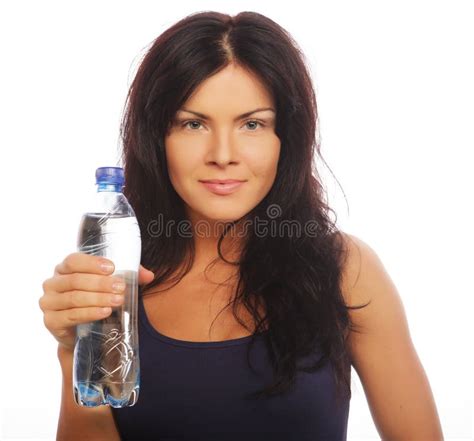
(109, 175)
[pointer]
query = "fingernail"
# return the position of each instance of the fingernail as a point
(118, 286)
(106, 267)
(117, 299)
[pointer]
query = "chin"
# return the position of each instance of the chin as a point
(222, 215)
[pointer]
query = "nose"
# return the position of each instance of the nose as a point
(222, 149)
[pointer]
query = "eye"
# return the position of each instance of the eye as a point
(185, 124)
(254, 121)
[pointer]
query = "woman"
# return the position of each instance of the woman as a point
(256, 305)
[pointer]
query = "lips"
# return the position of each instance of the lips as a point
(222, 187)
(221, 181)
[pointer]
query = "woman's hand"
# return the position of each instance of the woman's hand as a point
(78, 293)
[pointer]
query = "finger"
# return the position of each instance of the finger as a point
(80, 299)
(84, 263)
(145, 276)
(61, 322)
(83, 282)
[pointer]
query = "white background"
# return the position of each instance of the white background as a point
(394, 83)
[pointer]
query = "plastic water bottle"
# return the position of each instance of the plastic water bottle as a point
(106, 359)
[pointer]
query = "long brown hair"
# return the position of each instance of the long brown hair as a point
(296, 277)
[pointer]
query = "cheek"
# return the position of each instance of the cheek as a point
(264, 162)
(181, 162)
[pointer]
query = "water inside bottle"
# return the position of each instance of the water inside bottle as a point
(112, 235)
(107, 370)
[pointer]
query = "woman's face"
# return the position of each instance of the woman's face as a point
(222, 144)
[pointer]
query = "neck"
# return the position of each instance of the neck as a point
(206, 240)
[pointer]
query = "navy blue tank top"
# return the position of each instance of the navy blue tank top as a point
(196, 391)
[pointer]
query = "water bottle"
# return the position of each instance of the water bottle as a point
(106, 368)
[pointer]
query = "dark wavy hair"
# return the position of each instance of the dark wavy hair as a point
(296, 277)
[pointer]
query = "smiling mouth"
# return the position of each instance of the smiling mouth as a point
(221, 181)
(223, 187)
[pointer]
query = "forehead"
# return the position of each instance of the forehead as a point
(233, 90)
(266, 111)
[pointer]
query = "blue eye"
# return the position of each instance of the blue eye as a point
(185, 124)
(256, 122)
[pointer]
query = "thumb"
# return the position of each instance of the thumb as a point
(145, 276)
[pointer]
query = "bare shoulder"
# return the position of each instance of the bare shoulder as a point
(382, 351)
(365, 280)
(362, 268)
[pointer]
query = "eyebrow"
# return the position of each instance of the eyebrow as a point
(244, 115)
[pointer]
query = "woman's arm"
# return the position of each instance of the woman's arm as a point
(383, 354)
(79, 422)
